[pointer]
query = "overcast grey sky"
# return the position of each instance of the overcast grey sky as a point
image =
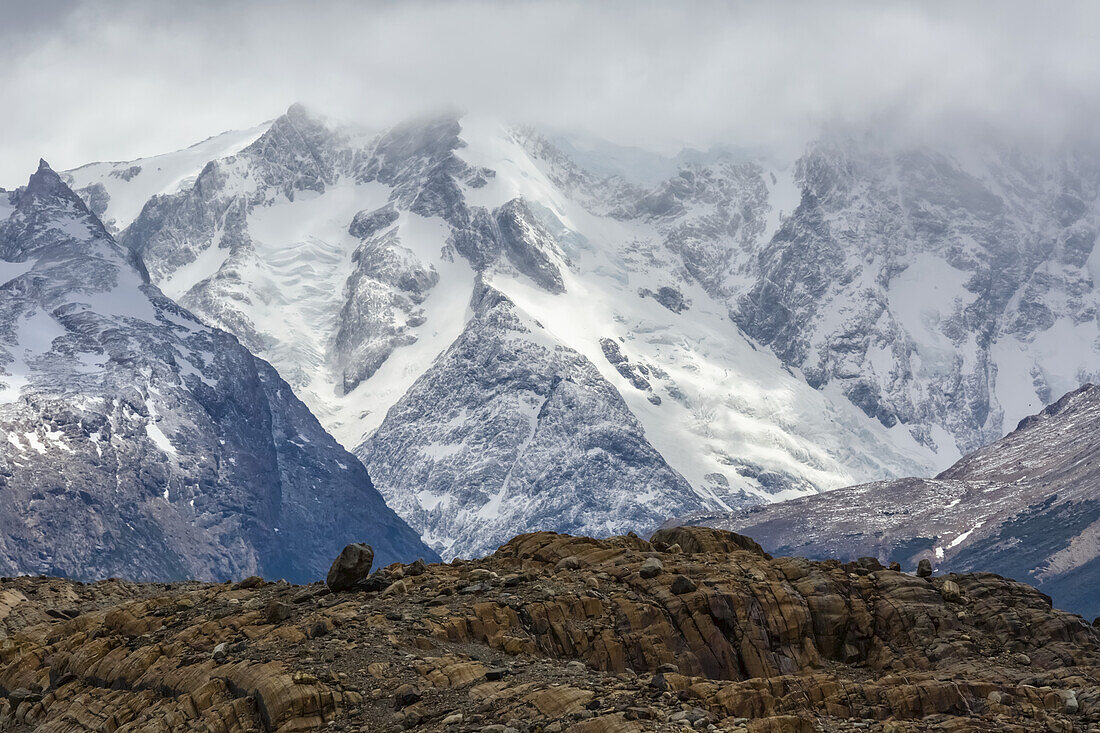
(86, 81)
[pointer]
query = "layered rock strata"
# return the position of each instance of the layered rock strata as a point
(552, 633)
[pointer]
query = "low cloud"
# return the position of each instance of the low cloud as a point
(89, 81)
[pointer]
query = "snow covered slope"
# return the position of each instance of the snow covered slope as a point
(355, 263)
(137, 442)
(123, 188)
(1025, 507)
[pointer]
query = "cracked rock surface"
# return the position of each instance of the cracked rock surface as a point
(554, 633)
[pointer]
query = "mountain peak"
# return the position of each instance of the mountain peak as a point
(297, 151)
(46, 181)
(297, 110)
(301, 116)
(297, 124)
(50, 212)
(177, 398)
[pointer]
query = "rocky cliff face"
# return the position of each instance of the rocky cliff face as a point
(1024, 507)
(139, 442)
(555, 633)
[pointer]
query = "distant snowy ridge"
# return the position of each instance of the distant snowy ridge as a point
(125, 187)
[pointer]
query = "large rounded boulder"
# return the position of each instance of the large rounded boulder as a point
(352, 566)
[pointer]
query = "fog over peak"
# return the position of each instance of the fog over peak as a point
(120, 80)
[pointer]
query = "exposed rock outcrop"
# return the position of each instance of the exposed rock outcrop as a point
(555, 633)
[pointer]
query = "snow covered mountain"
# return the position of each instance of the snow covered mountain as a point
(510, 411)
(359, 263)
(138, 442)
(772, 329)
(1025, 507)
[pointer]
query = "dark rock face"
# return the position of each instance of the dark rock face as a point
(417, 160)
(728, 638)
(297, 154)
(97, 197)
(352, 566)
(632, 372)
(1024, 507)
(368, 223)
(681, 584)
(141, 443)
(667, 296)
(384, 303)
(528, 246)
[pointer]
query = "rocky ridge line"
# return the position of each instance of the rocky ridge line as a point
(697, 629)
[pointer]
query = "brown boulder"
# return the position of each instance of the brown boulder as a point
(682, 584)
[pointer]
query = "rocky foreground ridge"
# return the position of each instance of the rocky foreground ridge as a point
(697, 629)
